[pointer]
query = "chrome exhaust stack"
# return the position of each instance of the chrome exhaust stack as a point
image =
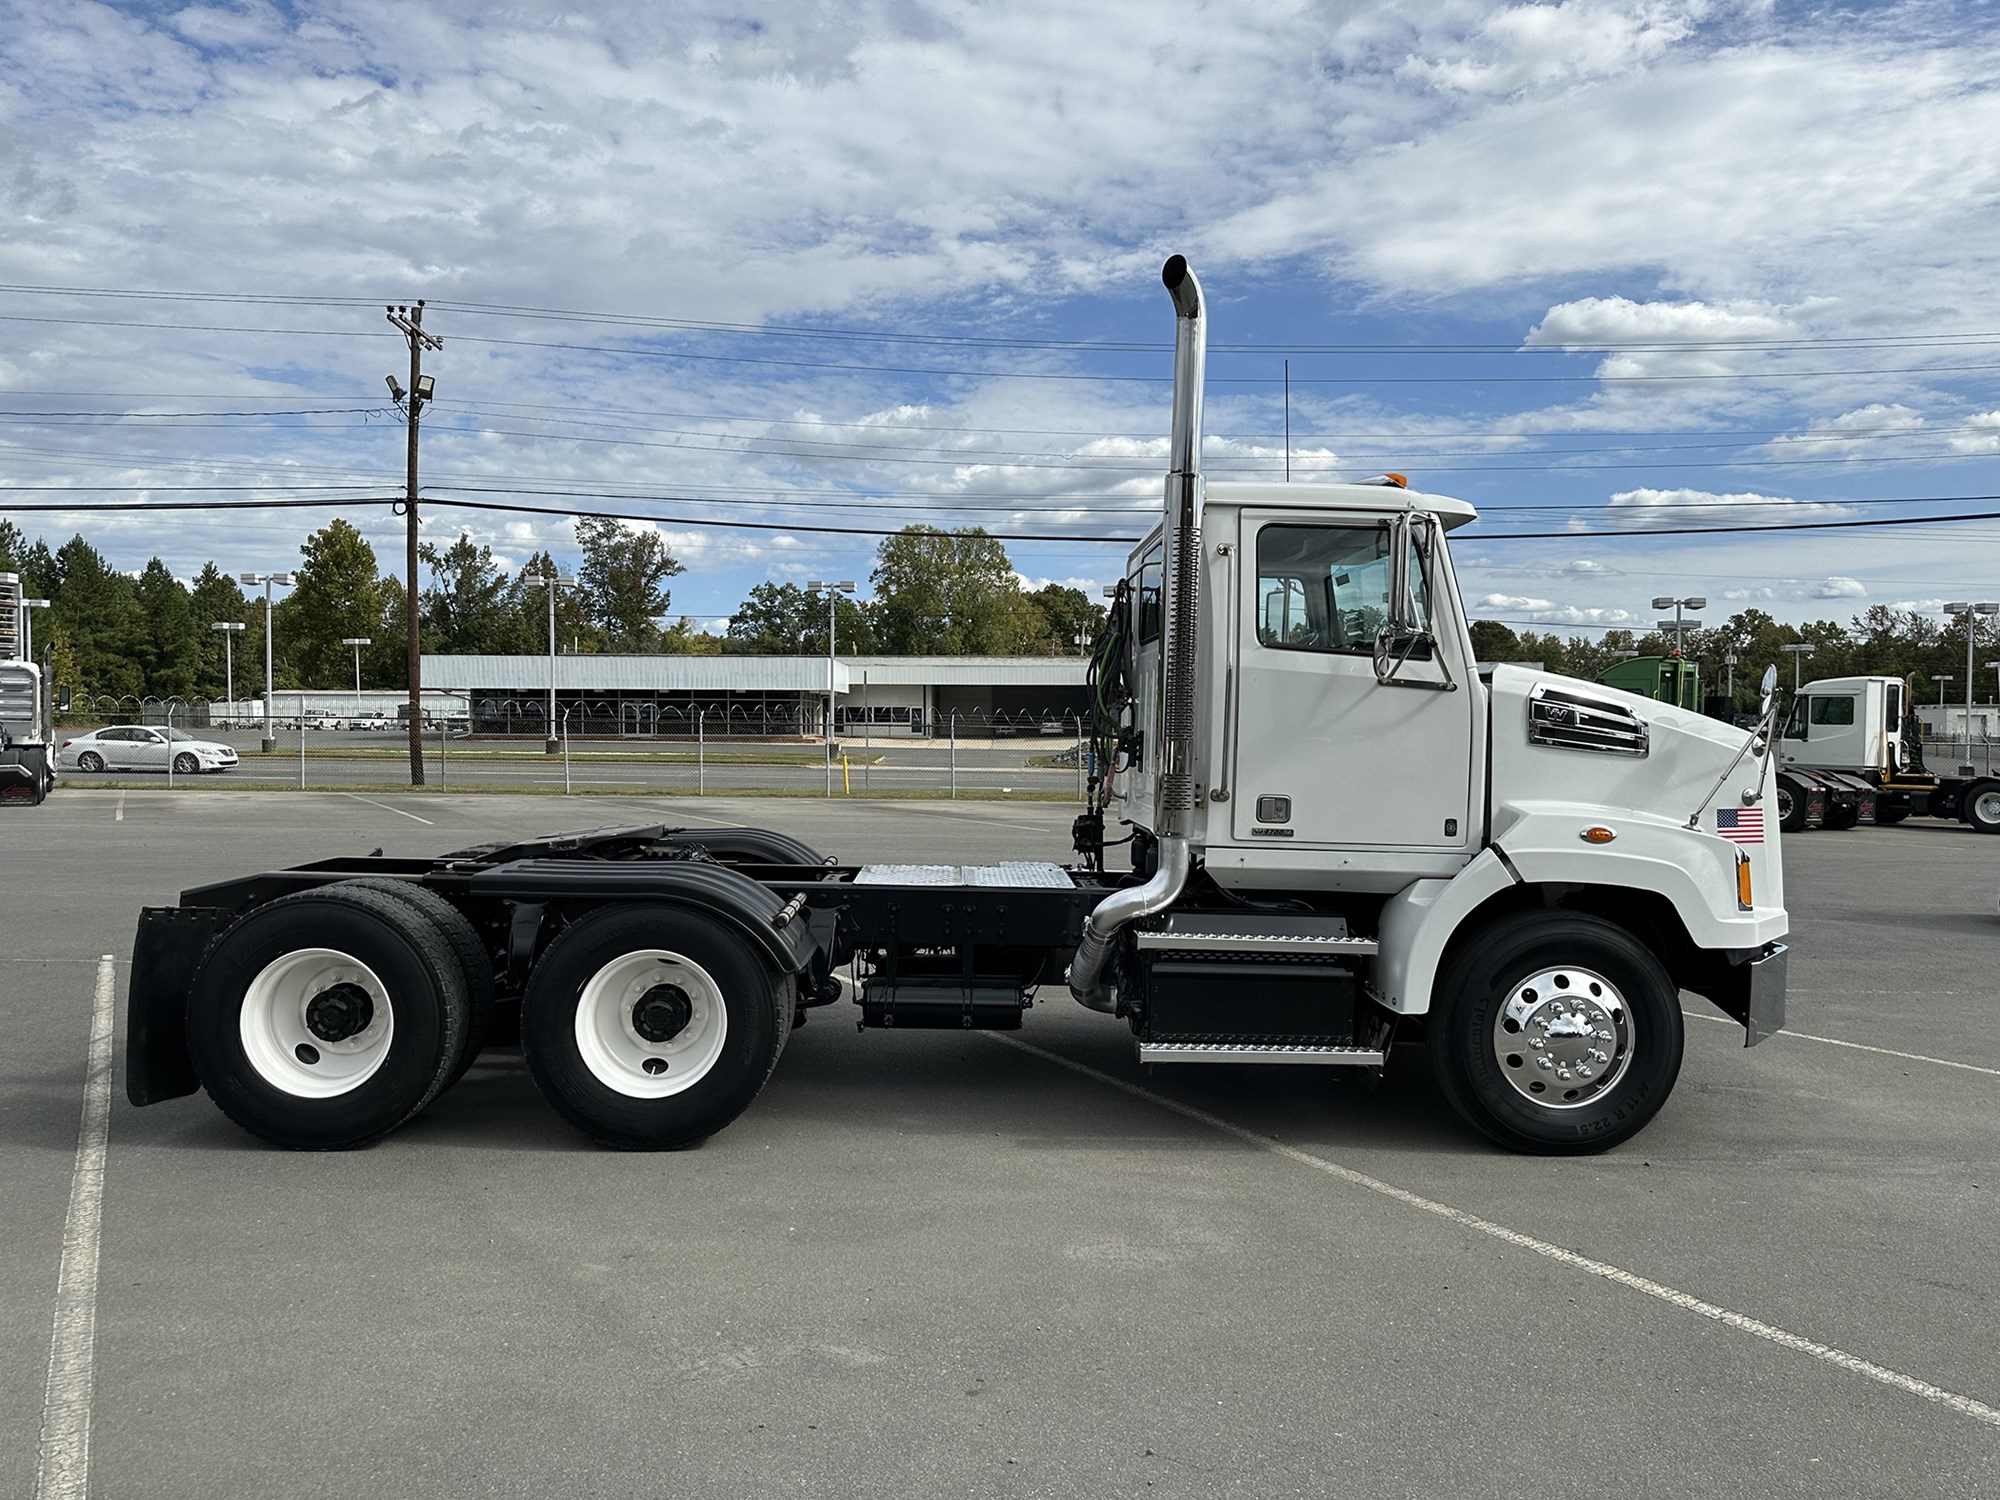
(1174, 728)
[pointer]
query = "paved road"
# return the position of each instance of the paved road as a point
(885, 767)
(943, 1264)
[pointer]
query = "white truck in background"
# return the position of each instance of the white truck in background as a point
(27, 768)
(1850, 753)
(1342, 838)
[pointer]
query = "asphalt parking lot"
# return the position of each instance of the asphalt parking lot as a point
(935, 1263)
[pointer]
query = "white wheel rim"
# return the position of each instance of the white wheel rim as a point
(1986, 807)
(608, 1036)
(284, 1048)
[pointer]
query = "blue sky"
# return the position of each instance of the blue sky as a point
(1600, 267)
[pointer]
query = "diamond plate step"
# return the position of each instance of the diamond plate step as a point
(1240, 942)
(1255, 1052)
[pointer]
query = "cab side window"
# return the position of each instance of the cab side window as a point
(1148, 590)
(1832, 711)
(1326, 588)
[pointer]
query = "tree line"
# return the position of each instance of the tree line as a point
(1878, 642)
(111, 633)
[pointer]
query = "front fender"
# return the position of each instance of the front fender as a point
(1541, 845)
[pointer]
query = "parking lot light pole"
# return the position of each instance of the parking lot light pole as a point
(1971, 612)
(555, 581)
(1677, 624)
(1941, 679)
(357, 642)
(281, 580)
(833, 593)
(229, 630)
(1798, 650)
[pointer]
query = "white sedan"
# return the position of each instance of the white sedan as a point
(140, 747)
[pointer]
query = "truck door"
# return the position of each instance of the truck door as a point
(1352, 762)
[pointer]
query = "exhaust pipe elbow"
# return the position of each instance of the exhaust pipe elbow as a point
(1182, 286)
(1100, 929)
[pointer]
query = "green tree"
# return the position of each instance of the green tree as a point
(525, 604)
(13, 546)
(623, 575)
(782, 619)
(215, 596)
(465, 609)
(1492, 641)
(951, 593)
(1070, 618)
(683, 638)
(174, 656)
(97, 612)
(338, 594)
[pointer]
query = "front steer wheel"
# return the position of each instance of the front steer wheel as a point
(651, 1027)
(1556, 1033)
(326, 1019)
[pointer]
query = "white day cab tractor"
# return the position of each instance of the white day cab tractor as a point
(1342, 838)
(27, 768)
(1851, 753)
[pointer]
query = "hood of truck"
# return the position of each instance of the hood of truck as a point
(1567, 752)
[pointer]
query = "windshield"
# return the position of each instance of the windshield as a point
(179, 734)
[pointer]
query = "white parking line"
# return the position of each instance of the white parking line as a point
(118, 812)
(387, 808)
(62, 1471)
(1834, 1041)
(1979, 1411)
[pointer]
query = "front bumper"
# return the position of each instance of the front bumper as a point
(1764, 1003)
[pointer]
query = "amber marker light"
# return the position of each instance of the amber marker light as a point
(1599, 835)
(1743, 900)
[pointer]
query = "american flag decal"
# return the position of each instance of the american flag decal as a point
(1740, 825)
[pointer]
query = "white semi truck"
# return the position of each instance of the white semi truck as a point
(1342, 838)
(1850, 753)
(27, 769)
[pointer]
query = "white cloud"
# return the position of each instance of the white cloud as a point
(1522, 607)
(1984, 436)
(1855, 431)
(1691, 507)
(1527, 46)
(1841, 588)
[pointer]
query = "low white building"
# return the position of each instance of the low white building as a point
(759, 696)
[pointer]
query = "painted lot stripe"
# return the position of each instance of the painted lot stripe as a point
(62, 1471)
(387, 808)
(1834, 1041)
(118, 812)
(1979, 1411)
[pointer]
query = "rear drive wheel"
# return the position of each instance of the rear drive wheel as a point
(1982, 806)
(652, 1027)
(185, 764)
(1556, 1033)
(475, 965)
(326, 1019)
(1791, 806)
(90, 760)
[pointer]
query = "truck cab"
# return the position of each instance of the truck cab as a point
(1851, 753)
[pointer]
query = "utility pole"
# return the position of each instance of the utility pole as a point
(409, 320)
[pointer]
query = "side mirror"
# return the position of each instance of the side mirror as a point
(1769, 691)
(1400, 612)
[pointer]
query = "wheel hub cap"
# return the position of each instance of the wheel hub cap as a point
(1563, 1037)
(337, 1013)
(662, 1013)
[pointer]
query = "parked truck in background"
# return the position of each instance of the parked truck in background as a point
(27, 768)
(1668, 679)
(1851, 753)
(1342, 838)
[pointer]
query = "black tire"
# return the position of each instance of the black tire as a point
(185, 764)
(756, 1013)
(1464, 1032)
(1841, 815)
(1981, 806)
(427, 1006)
(1791, 806)
(475, 965)
(91, 761)
(1889, 817)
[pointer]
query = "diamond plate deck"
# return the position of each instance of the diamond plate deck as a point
(1010, 875)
